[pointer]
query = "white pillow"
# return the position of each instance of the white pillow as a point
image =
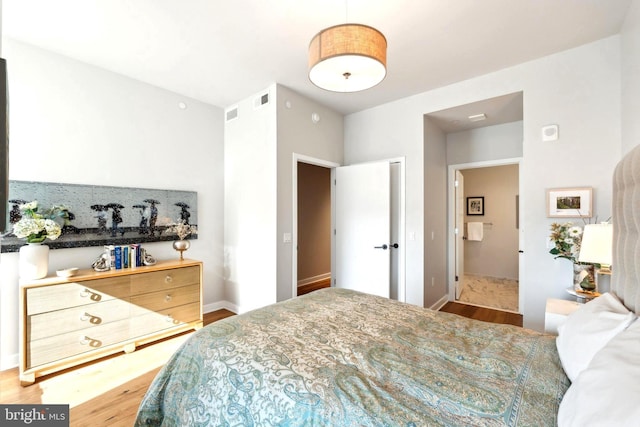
(607, 393)
(588, 329)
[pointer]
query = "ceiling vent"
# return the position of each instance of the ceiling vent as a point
(261, 100)
(231, 114)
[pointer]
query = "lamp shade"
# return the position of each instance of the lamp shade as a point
(597, 244)
(348, 58)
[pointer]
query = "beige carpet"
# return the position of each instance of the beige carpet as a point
(490, 292)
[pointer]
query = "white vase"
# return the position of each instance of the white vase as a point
(34, 261)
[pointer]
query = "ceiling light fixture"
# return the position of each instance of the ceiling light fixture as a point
(477, 117)
(347, 58)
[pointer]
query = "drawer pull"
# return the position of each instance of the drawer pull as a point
(87, 293)
(85, 340)
(95, 320)
(168, 279)
(168, 298)
(170, 319)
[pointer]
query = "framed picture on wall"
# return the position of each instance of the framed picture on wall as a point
(569, 202)
(475, 205)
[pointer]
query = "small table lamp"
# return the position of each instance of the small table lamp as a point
(597, 247)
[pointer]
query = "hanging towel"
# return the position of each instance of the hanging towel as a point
(474, 231)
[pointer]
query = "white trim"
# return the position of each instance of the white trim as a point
(451, 208)
(440, 303)
(219, 305)
(402, 242)
(318, 278)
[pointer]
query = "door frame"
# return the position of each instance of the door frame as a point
(451, 208)
(301, 158)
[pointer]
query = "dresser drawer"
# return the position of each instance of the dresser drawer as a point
(68, 321)
(69, 344)
(56, 297)
(164, 319)
(58, 322)
(162, 300)
(165, 279)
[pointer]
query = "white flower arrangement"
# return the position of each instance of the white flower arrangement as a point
(182, 229)
(567, 239)
(35, 226)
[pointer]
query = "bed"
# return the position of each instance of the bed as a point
(338, 357)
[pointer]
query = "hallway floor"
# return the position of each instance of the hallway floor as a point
(501, 294)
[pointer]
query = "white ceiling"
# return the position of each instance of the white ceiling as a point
(221, 52)
(501, 109)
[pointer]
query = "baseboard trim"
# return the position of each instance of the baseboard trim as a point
(440, 303)
(314, 279)
(219, 305)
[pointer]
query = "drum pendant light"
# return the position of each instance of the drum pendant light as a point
(347, 58)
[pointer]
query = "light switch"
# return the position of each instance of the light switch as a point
(286, 238)
(550, 133)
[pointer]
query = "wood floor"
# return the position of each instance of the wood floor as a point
(484, 314)
(310, 287)
(108, 392)
(103, 393)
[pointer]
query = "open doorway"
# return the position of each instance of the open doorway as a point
(314, 228)
(310, 189)
(483, 133)
(488, 238)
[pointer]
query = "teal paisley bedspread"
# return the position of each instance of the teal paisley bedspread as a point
(337, 357)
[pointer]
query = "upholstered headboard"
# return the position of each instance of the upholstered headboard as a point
(625, 280)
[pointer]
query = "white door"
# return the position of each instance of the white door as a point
(363, 228)
(459, 232)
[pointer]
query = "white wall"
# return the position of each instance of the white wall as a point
(74, 123)
(298, 134)
(259, 149)
(630, 43)
(387, 132)
(578, 89)
(250, 208)
(484, 144)
(435, 216)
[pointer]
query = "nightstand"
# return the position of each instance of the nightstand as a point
(583, 296)
(556, 313)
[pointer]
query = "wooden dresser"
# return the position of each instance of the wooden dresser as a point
(68, 321)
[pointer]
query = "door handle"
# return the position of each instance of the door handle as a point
(395, 246)
(383, 247)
